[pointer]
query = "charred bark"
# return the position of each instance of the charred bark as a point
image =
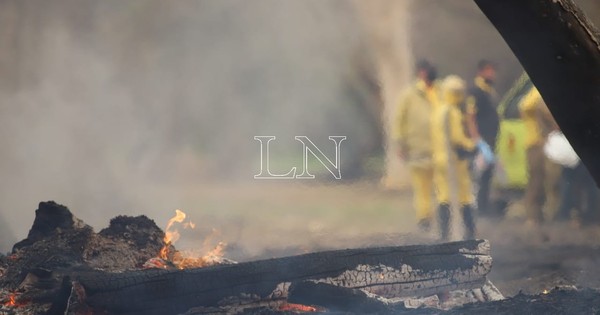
(389, 271)
(64, 267)
(336, 298)
(560, 50)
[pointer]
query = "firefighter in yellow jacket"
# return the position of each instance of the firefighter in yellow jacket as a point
(412, 136)
(538, 122)
(452, 148)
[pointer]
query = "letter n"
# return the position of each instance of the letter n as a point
(309, 146)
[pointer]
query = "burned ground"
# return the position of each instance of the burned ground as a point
(525, 260)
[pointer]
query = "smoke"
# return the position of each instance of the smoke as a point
(112, 107)
(144, 106)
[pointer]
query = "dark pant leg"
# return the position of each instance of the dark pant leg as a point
(483, 194)
(566, 193)
(589, 207)
(534, 193)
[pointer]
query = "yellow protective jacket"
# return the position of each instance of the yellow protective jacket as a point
(448, 134)
(412, 123)
(536, 117)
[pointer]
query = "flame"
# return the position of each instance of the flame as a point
(291, 307)
(172, 234)
(545, 291)
(12, 301)
(188, 259)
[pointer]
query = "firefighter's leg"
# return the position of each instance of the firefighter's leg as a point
(534, 193)
(483, 193)
(442, 191)
(465, 198)
(422, 184)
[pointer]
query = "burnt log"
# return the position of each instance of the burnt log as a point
(418, 270)
(560, 50)
(336, 298)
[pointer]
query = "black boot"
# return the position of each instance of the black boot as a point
(444, 216)
(468, 215)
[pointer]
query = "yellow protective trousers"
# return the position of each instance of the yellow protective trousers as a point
(422, 187)
(448, 176)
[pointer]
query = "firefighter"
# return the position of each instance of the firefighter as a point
(538, 123)
(412, 138)
(452, 149)
(483, 121)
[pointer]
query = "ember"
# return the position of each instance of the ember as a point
(291, 307)
(12, 301)
(65, 267)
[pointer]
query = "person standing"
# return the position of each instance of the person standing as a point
(452, 149)
(412, 137)
(538, 123)
(483, 122)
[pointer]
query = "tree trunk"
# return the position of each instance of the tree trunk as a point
(560, 50)
(387, 23)
(389, 271)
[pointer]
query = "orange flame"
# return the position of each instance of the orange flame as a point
(188, 259)
(291, 307)
(12, 301)
(172, 234)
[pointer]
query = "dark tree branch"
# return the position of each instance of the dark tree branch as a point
(560, 50)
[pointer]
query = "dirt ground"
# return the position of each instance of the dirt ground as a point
(263, 219)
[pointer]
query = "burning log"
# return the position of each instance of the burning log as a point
(64, 267)
(389, 271)
(560, 50)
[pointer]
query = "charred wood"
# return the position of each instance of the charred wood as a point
(392, 271)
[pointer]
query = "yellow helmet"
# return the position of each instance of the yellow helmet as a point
(454, 83)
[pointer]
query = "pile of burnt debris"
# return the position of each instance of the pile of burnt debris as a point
(64, 267)
(59, 244)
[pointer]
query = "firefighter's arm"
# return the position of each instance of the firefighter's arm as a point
(457, 135)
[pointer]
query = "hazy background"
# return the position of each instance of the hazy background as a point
(143, 106)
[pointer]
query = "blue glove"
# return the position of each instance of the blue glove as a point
(486, 151)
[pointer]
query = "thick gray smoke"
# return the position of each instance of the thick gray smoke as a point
(111, 107)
